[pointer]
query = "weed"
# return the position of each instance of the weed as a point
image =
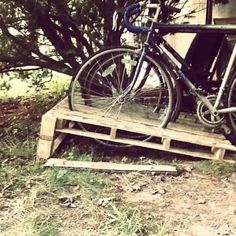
(14, 177)
(75, 154)
(125, 222)
(44, 226)
(130, 221)
(40, 99)
(18, 162)
(161, 229)
(15, 148)
(215, 168)
(58, 89)
(58, 179)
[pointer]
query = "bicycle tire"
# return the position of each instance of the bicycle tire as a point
(230, 118)
(177, 92)
(90, 79)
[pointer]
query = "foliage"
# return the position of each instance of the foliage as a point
(53, 34)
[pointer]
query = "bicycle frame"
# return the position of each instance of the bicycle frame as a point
(213, 108)
(161, 46)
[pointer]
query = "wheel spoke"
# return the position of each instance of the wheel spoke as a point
(102, 81)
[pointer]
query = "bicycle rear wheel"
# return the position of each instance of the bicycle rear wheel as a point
(231, 117)
(103, 78)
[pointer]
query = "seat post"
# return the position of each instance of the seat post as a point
(209, 9)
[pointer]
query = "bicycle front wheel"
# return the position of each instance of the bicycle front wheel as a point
(102, 80)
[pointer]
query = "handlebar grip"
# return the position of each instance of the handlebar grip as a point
(132, 10)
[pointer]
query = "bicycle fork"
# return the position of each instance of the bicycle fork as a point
(144, 50)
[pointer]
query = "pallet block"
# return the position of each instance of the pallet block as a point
(187, 136)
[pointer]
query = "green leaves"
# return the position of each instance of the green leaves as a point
(50, 34)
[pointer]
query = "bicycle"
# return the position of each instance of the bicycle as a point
(148, 79)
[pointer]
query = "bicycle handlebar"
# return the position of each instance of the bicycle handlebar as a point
(136, 8)
(130, 11)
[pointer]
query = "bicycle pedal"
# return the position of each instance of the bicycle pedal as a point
(226, 129)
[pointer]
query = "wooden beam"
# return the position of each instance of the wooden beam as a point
(166, 143)
(219, 153)
(108, 166)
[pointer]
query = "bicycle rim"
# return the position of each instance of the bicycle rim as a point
(103, 79)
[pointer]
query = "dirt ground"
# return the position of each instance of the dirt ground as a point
(201, 200)
(195, 205)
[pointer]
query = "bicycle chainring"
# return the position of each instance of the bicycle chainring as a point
(205, 116)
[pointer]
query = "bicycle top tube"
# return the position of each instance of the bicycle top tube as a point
(196, 28)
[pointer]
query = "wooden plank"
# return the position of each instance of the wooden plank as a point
(229, 147)
(61, 136)
(89, 114)
(178, 136)
(108, 166)
(47, 131)
(59, 139)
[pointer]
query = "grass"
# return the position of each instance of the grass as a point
(12, 147)
(75, 154)
(86, 180)
(44, 226)
(215, 168)
(59, 179)
(124, 222)
(18, 163)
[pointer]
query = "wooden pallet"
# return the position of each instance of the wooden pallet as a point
(187, 136)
